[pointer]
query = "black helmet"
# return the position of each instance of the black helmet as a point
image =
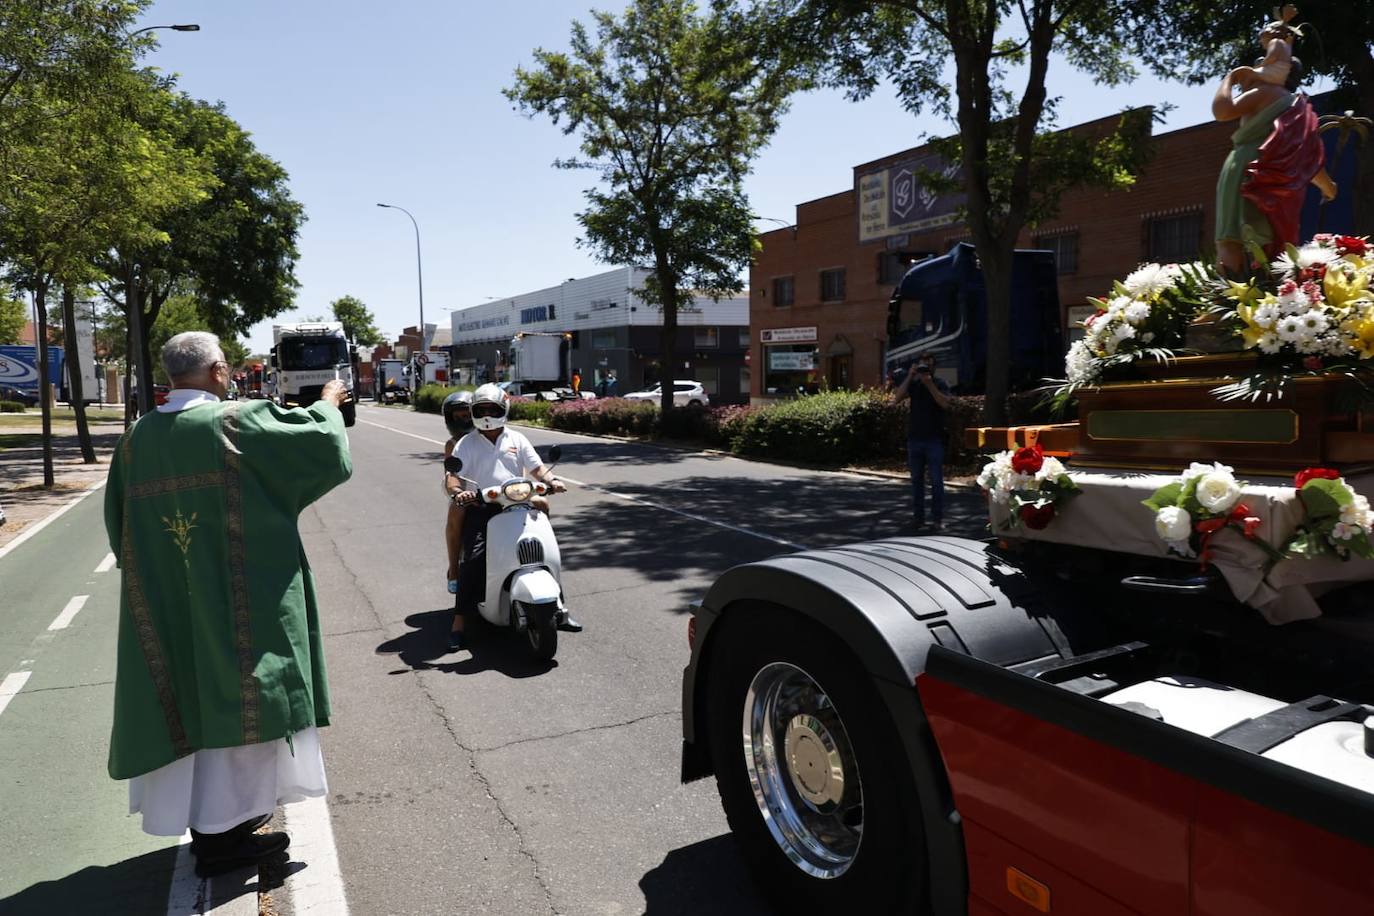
(457, 411)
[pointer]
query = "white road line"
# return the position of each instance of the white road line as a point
(318, 889)
(106, 564)
(64, 619)
(634, 499)
(11, 685)
(39, 526)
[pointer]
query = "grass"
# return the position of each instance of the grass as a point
(61, 416)
(18, 440)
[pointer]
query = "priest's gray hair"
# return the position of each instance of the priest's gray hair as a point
(190, 353)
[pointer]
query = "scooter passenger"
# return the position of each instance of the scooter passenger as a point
(490, 456)
(457, 414)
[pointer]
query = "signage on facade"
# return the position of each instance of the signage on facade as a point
(787, 335)
(786, 361)
(498, 321)
(600, 305)
(894, 201)
(536, 314)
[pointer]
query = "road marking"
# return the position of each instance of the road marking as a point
(106, 564)
(64, 619)
(625, 496)
(318, 889)
(39, 526)
(11, 685)
(190, 895)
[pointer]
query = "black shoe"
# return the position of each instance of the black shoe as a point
(570, 625)
(218, 856)
(455, 640)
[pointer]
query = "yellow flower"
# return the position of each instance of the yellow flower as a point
(1242, 294)
(1341, 291)
(1252, 332)
(1361, 331)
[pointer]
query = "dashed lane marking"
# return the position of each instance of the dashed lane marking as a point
(64, 619)
(11, 685)
(317, 890)
(39, 526)
(106, 564)
(628, 498)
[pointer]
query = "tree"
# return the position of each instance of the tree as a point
(13, 313)
(1200, 42)
(1013, 166)
(181, 312)
(670, 105)
(359, 324)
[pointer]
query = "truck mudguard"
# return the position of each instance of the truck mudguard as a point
(889, 602)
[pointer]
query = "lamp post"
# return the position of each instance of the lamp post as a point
(419, 270)
(131, 297)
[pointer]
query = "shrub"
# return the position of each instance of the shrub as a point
(431, 397)
(833, 427)
(614, 416)
(528, 410)
(11, 407)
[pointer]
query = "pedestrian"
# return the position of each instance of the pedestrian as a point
(611, 384)
(577, 383)
(925, 439)
(220, 682)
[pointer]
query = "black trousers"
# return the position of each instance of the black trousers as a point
(472, 577)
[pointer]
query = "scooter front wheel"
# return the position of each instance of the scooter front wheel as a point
(541, 629)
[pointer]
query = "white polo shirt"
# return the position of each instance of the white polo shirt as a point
(490, 464)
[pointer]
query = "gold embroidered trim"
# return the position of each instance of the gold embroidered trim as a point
(175, 484)
(243, 630)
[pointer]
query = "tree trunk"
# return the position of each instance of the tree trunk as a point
(83, 432)
(667, 289)
(40, 299)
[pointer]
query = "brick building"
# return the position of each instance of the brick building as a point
(818, 290)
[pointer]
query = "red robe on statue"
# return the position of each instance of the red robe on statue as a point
(1276, 183)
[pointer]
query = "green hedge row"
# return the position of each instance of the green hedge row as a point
(431, 397)
(11, 407)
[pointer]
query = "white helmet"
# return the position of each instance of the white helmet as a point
(483, 399)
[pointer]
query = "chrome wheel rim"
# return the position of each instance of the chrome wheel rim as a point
(803, 770)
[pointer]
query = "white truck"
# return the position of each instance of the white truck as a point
(393, 381)
(307, 355)
(538, 366)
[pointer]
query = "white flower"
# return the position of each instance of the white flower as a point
(1356, 515)
(1118, 304)
(1218, 492)
(1289, 329)
(1198, 469)
(1309, 343)
(1149, 280)
(1078, 362)
(1308, 256)
(1267, 314)
(1269, 342)
(1342, 531)
(1050, 469)
(1293, 302)
(1147, 337)
(1121, 332)
(1173, 524)
(1314, 321)
(1137, 312)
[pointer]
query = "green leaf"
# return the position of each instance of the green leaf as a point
(1167, 495)
(1323, 502)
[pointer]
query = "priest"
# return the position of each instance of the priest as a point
(220, 682)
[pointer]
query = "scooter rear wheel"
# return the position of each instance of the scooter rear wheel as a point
(541, 629)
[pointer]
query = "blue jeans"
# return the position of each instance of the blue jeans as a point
(924, 455)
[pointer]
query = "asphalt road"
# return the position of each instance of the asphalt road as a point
(476, 782)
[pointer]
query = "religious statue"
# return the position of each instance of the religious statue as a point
(1276, 151)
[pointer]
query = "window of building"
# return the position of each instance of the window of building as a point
(1173, 238)
(707, 337)
(709, 376)
(744, 381)
(744, 339)
(783, 291)
(832, 285)
(892, 266)
(789, 368)
(1065, 248)
(603, 340)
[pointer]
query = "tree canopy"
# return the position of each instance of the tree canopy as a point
(359, 324)
(670, 105)
(13, 313)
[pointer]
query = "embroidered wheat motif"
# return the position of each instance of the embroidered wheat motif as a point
(180, 529)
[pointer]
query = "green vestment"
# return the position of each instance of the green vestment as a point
(1237, 218)
(219, 634)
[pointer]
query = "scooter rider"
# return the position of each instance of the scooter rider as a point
(457, 414)
(490, 456)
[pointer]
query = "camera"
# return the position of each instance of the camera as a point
(923, 369)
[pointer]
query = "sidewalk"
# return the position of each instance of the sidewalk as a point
(21, 470)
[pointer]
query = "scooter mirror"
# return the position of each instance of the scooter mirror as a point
(453, 464)
(555, 453)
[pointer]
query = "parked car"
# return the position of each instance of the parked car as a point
(10, 393)
(686, 393)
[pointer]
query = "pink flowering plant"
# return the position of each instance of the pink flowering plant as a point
(1336, 520)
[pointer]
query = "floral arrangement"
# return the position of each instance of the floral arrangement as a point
(1203, 500)
(1147, 314)
(1338, 520)
(1031, 484)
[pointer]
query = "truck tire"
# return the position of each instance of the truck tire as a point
(797, 727)
(350, 413)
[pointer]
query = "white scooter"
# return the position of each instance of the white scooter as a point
(524, 568)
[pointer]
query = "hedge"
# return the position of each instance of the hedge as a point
(528, 410)
(11, 407)
(615, 416)
(431, 397)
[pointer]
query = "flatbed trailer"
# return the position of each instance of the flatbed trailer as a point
(942, 725)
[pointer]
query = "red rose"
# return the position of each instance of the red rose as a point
(1302, 477)
(1349, 244)
(1028, 460)
(1037, 517)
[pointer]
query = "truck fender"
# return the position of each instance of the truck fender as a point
(534, 586)
(888, 602)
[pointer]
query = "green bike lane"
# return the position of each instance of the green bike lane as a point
(68, 845)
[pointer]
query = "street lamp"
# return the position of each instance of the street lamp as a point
(135, 307)
(419, 271)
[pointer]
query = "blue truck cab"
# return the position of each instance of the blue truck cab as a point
(941, 305)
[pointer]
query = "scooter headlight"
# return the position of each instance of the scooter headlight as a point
(518, 491)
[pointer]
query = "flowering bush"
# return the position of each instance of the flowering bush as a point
(1338, 520)
(1203, 500)
(1029, 483)
(616, 416)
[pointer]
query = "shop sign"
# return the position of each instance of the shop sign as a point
(787, 335)
(896, 201)
(498, 321)
(783, 361)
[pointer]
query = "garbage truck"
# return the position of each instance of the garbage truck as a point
(306, 356)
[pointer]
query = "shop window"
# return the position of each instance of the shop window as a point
(832, 285)
(1173, 239)
(707, 337)
(744, 339)
(603, 340)
(790, 369)
(745, 381)
(1065, 248)
(784, 291)
(709, 376)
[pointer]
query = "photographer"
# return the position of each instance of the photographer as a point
(925, 441)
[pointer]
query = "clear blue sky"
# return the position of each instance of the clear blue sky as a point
(400, 102)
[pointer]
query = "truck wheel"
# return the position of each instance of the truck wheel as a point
(350, 413)
(810, 771)
(541, 629)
